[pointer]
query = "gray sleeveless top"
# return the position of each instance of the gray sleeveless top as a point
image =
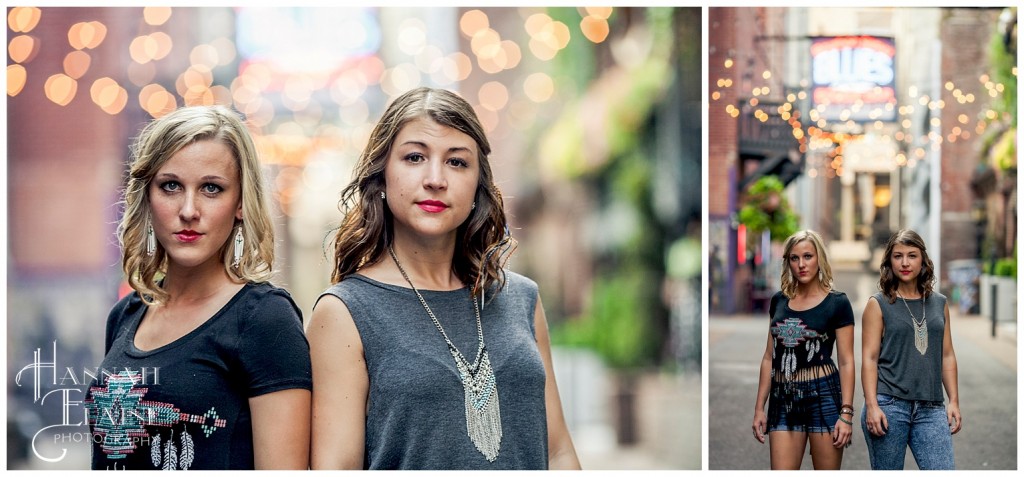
(902, 370)
(416, 416)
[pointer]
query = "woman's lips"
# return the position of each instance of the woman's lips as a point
(188, 236)
(432, 206)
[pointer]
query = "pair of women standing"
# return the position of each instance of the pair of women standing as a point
(809, 399)
(416, 351)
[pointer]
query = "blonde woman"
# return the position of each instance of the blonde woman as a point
(809, 398)
(206, 364)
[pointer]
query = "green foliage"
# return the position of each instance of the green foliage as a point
(1003, 62)
(617, 325)
(1004, 151)
(1006, 267)
(766, 208)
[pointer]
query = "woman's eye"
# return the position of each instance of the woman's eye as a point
(211, 188)
(170, 186)
(415, 158)
(458, 162)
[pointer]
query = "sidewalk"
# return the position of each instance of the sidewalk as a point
(978, 330)
(987, 381)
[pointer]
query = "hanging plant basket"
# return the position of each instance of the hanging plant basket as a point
(766, 209)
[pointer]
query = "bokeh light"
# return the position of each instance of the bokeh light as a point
(108, 95)
(85, 35)
(23, 19)
(493, 96)
(60, 89)
(472, 22)
(539, 87)
(156, 16)
(22, 48)
(16, 77)
(76, 64)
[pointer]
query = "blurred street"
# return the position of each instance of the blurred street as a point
(669, 409)
(987, 377)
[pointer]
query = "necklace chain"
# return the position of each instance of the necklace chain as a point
(479, 326)
(480, 388)
(924, 310)
(920, 330)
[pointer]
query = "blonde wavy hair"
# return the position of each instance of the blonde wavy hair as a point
(158, 141)
(789, 282)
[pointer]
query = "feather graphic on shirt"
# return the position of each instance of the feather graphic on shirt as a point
(187, 450)
(170, 454)
(154, 451)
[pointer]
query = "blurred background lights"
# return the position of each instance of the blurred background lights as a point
(108, 95)
(60, 89)
(16, 77)
(205, 55)
(412, 36)
(23, 19)
(156, 15)
(22, 48)
(84, 35)
(602, 13)
(493, 96)
(472, 22)
(594, 28)
(225, 48)
(539, 87)
(76, 64)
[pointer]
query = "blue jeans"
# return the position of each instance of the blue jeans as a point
(920, 424)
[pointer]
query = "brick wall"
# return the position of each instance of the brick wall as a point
(965, 35)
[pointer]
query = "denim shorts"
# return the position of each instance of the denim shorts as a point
(804, 406)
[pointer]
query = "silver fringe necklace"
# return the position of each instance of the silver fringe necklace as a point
(920, 328)
(483, 417)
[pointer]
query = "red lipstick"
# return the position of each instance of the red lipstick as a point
(432, 206)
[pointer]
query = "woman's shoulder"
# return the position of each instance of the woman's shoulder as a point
(126, 306)
(838, 296)
(355, 284)
(264, 299)
(938, 297)
(519, 283)
(266, 291)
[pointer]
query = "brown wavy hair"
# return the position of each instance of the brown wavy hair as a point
(887, 280)
(158, 141)
(789, 282)
(483, 244)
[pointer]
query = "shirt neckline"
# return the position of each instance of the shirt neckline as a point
(134, 351)
(820, 303)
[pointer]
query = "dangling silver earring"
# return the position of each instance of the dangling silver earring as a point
(239, 246)
(383, 195)
(473, 206)
(150, 239)
(821, 276)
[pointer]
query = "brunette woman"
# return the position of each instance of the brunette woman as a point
(908, 357)
(427, 354)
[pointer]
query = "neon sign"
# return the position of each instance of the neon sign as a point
(853, 78)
